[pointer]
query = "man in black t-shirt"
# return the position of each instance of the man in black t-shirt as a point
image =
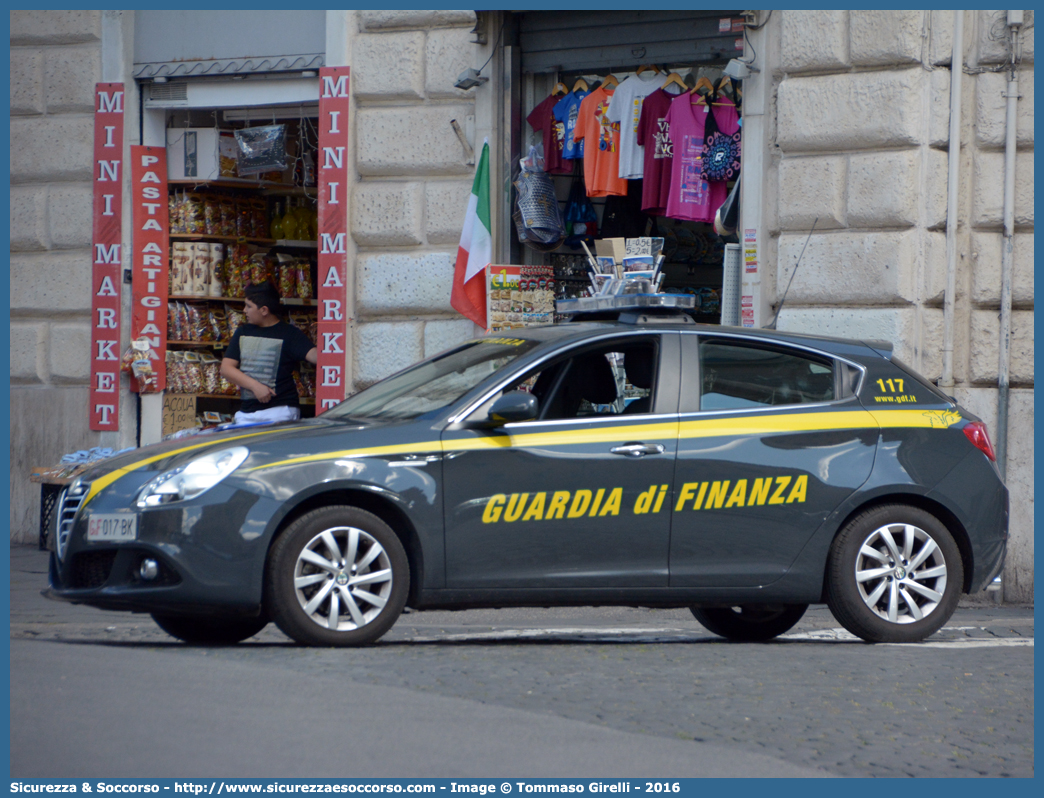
(261, 359)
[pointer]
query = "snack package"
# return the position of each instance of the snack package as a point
(244, 218)
(174, 213)
(308, 380)
(200, 268)
(183, 322)
(216, 277)
(210, 367)
(138, 361)
(181, 254)
(234, 318)
(218, 324)
(193, 374)
(234, 282)
(258, 269)
(173, 372)
(227, 208)
(287, 276)
(194, 214)
(259, 218)
(304, 279)
(197, 327)
(228, 154)
(173, 329)
(211, 215)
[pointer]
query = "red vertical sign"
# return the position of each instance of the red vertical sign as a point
(151, 248)
(333, 235)
(105, 255)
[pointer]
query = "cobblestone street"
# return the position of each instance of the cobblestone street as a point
(958, 705)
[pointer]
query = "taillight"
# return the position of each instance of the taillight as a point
(976, 432)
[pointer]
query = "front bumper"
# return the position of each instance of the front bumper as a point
(211, 554)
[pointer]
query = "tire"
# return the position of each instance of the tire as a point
(208, 630)
(750, 622)
(317, 597)
(894, 575)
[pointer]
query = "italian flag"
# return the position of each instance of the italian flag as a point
(476, 249)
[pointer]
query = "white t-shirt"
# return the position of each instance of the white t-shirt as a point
(626, 108)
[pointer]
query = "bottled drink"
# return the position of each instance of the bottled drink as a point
(276, 230)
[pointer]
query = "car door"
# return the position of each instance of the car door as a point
(577, 498)
(771, 439)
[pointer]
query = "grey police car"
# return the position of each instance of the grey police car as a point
(744, 474)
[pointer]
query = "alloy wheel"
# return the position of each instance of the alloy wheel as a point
(343, 578)
(901, 573)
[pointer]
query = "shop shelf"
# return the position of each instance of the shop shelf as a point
(270, 242)
(204, 297)
(231, 182)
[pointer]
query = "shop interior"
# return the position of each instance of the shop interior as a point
(555, 74)
(234, 222)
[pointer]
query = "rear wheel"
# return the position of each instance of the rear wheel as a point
(750, 622)
(209, 631)
(894, 575)
(337, 576)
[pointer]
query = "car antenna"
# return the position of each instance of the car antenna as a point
(775, 318)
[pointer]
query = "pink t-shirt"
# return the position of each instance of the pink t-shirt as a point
(652, 136)
(692, 198)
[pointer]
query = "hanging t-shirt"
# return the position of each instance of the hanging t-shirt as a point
(566, 112)
(656, 147)
(626, 110)
(692, 197)
(542, 120)
(601, 146)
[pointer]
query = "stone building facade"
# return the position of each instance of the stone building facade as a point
(860, 146)
(854, 137)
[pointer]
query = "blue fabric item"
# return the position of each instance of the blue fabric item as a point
(84, 456)
(566, 111)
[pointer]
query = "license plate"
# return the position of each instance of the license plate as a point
(115, 526)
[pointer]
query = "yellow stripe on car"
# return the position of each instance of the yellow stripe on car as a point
(719, 426)
(691, 428)
(104, 481)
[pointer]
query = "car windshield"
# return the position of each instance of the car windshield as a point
(433, 384)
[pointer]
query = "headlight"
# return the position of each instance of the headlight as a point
(192, 479)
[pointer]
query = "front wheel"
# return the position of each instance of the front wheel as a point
(208, 631)
(337, 576)
(750, 622)
(894, 575)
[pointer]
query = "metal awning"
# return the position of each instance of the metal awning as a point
(565, 41)
(215, 43)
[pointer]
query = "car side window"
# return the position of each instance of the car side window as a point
(739, 374)
(612, 379)
(616, 378)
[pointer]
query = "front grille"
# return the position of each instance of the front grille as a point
(91, 569)
(68, 505)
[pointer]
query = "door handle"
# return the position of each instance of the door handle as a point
(638, 449)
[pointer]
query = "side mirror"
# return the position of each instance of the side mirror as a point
(514, 406)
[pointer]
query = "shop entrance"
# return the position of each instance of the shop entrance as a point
(649, 60)
(231, 224)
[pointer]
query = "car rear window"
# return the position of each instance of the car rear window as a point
(739, 374)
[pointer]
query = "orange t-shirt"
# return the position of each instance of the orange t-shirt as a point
(601, 146)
